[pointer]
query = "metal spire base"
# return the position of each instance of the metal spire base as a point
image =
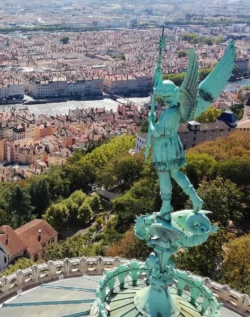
(152, 303)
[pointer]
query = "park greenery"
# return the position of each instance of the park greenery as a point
(64, 40)
(179, 77)
(196, 39)
(210, 115)
(20, 264)
(182, 53)
(89, 226)
(120, 56)
(238, 110)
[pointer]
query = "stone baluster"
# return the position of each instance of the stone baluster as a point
(83, 265)
(243, 303)
(117, 261)
(52, 269)
(35, 273)
(207, 282)
(66, 267)
(20, 279)
(5, 285)
(224, 293)
(99, 265)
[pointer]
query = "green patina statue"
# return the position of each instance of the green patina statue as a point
(166, 231)
(183, 104)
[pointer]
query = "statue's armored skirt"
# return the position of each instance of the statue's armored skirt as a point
(168, 151)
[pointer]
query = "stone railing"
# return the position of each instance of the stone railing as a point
(186, 285)
(233, 300)
(54, 270)
(67, 268)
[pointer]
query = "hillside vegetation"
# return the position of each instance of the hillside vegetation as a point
(220, 170)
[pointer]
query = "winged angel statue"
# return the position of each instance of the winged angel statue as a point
(183, 104)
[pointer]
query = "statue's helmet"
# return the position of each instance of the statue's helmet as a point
(167, 87)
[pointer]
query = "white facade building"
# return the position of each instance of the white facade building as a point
(127, 84)
(11, 91)
(57, 88)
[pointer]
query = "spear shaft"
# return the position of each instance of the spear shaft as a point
(157, 80)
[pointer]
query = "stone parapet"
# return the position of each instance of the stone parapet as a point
(68, 268)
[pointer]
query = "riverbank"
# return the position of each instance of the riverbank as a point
(63, 107)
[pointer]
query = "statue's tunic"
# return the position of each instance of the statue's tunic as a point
(168, 151)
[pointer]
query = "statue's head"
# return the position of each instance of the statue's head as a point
(167, 91)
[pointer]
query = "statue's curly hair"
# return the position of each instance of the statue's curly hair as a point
(165, 86)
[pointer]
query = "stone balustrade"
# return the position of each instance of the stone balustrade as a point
(67, 268)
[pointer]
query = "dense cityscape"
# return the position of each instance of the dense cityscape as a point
(76, 82)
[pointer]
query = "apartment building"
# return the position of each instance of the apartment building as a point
(11, 91)
(127, 84)
(194, 133)
(62, 88)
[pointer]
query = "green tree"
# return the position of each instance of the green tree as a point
(236, 264)
(82, 173)
(64, 40)
(59, 184)
(247, 88)
(122, 171)
(139, 200)
(70, 248)
(40, 196)
(54, 252)
(20, 205)
(5, 195)
(236, 170)
(204, 72)
(94, 202)
(3, 218)
(78, 197)
(236, 71)
(176, 78)
(209, 116)
(198, 167)
(144, 126)
(235, 146)
(204, 259)
(20, 264)
(238, 110)
(129, 247)
(182, 53)
(219, 39)
(85, 214)
(57, 215)
(223, 198)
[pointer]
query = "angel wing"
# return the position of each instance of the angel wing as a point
(188, 91)
(212, 86)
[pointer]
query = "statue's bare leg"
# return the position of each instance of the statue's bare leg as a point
(182, 180)
(166, 194)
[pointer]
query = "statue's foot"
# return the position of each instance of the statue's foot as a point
(197, 204)
(166, 209)
(196, 200)
(165, 216)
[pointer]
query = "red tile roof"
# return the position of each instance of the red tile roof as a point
(15, 244)
(29, 234)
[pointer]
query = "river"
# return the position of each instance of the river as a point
(63, 107)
